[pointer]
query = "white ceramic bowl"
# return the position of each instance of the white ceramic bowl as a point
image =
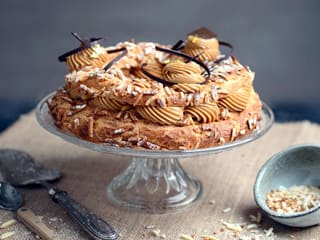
(296, 165)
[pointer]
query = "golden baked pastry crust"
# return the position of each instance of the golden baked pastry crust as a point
(128, 129)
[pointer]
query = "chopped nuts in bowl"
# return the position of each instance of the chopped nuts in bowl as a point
(294, 199)
(287, 186)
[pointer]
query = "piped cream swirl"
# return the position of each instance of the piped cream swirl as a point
(180, 72)
(238, 100)
(95, 56)
(107, 103)
(204, 113)
(206, 49)
(154, 68)
(188, 88)
(163, 116)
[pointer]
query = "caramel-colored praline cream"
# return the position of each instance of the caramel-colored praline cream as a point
(205, 49)
(163, 116)
(188, 87)
(153, 67)
(107, 103)
(180, 72)
(95, 56)
(204, 113)
(237, 101)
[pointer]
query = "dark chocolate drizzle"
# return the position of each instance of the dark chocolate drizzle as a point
(85, 43)
(117, 58)
(80, 39)
(153, 77)
(225, 44)
(180, 45)
(188, 57)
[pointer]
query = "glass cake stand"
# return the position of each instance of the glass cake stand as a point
(154, 180)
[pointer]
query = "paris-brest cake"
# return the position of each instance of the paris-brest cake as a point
(158, 97)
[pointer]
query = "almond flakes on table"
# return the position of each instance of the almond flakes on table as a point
(8, 223)
(7, 235)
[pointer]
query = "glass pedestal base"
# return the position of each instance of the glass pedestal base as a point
(154, 185)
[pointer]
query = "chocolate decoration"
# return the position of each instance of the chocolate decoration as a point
(188, 57)
(226, 44)
(85, 43)
(116, 50)
(195, 57)
(178, 46)
(203, 32)
(117, 58)
(80, 39)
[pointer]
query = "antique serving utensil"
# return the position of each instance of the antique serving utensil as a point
(20, 169)
(12, 200)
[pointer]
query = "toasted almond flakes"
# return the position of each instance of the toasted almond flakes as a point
(90, 126)
(257, 237)
(256, 218)
(8, 223)
(255, 231)
(268, 232)
(232, 226)
(226, 210)
(259, 217)
(222, 141)
(242, 132)
(186, 237)
(156, 232)
(54, 219)
(150, 226)
(162, 236)
(244, 238)
(209, 237)
(250, 123)
(293, 199)
(252, 226)
(7, 235)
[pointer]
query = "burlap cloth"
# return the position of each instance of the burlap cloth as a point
(227, 178)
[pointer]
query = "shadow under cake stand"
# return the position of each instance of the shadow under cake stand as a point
(154, 181)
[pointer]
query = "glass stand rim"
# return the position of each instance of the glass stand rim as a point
(45, 120)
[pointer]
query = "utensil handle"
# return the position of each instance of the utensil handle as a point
(91, 223)
(32, 221)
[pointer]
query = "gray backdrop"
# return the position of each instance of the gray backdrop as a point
(278, 39)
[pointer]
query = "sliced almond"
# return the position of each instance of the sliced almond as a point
(8, 223)
(7, 235)
(155, 232)
(209, 237)
(186, 237)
